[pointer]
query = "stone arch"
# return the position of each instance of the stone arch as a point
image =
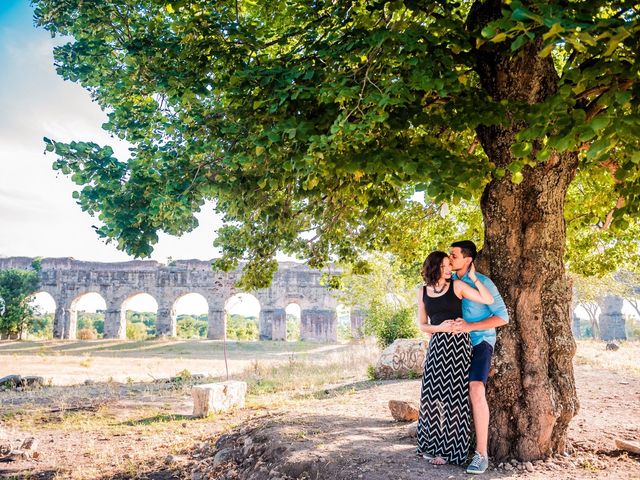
(195, 304)
(245, 304)
(70, 316)
(44, 298)
(292, 309)
(136, 297)
(45, 303)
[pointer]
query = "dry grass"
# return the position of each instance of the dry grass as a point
(595, 354)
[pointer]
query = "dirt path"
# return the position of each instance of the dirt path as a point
(351, 435)
(342, 433)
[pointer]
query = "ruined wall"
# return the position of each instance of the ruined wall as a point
(67, 280)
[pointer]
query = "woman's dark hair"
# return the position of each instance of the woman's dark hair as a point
(431, 267)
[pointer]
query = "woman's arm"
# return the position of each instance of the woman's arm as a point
(423, 319)
(464, 290)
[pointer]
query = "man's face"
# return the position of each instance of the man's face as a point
(458, 262)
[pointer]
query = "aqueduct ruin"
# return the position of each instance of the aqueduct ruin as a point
(67, 280)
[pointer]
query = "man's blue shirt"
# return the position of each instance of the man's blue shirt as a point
(475, 312)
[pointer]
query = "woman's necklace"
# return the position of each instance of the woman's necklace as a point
(436, 291)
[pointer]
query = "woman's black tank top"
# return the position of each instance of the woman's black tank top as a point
(445, 307)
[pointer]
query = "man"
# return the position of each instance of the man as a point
(480, 321)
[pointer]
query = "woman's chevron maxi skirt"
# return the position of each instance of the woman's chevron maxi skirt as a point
(444, 422)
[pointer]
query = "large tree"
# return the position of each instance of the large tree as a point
(311, 124)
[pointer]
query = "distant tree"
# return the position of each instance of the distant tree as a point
(16, 289)
(293, 327)
(242, 328)
(136, 331)
(630, 282)
(42, 325)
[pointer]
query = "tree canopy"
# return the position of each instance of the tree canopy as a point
(324, 118)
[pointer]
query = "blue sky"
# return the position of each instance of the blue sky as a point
(38, 216)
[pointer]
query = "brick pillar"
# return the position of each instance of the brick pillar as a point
(575, 326)
(265, 323)
(166, 321)
(115, 321)
(217, 323)
(318, 325)
(357, 322)
(611, 319)
(60, 320)
(279, 324)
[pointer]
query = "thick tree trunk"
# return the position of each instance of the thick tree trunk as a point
(532, 393)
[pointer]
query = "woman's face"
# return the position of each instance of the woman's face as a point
(445, 268)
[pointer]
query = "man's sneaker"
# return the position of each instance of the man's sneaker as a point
(479, 464)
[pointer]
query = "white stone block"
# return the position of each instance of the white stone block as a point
(217, 397)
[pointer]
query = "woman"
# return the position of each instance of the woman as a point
(443, 426)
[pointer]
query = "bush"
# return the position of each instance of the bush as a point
(293, 328)
(136, 331)
(242, 328)
(87, 334)
(388, 323)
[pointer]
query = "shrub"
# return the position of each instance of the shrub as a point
(87, 334)
(389, 323)
(136, 331)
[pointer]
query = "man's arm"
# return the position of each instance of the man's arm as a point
(499, 316)
(491, 322)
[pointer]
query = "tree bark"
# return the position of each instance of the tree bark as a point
(532, 394)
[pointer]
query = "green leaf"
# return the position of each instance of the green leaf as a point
(553, 31)
(488, 32)
(517, 178)
(500, 37)
(546, 51)
(599, 122)
(518, 42)
(521, 149)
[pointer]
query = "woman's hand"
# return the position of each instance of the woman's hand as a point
(448, 326)
(472, 273)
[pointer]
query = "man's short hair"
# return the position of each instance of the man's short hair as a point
(467, 247)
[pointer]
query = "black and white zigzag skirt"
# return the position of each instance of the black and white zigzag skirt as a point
(444, 422)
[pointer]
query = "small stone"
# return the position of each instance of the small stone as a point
(508, 467)
(403, 411)
(223, 456)
(514, 462)
(11, 381)
(501, 465)
(33, 381)
(529, 466)
(612, 347)
(218, 397)
(29, 443)
(169, 459)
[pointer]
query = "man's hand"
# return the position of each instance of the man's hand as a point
(460, 326)
(448, 326)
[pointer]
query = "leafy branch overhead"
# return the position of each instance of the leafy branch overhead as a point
(324, 118)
